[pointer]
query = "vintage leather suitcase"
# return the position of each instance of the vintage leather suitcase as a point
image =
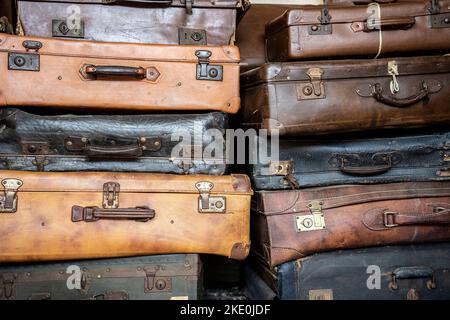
(355, 160)
(103, 215)
(129, 143)
(409, 272)
(309, 98)
(195, 22)
(160, 277)
(46, 72)
(289, 225)
(347, 30)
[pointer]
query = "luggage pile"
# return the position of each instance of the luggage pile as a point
(357, 203)
(96, 202)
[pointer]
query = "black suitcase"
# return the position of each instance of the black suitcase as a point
(350, 160)
(160, 277)
(131, 143)
(381, 273)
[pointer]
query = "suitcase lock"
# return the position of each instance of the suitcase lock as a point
(313, 221)
(8, 202)
(7, 292)
(207, 203)
(205, 71)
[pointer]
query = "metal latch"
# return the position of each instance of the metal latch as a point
(26, 61)
(61, 29)
(111, 195)
(313, 221)
(208, 203)
(435, 7)
(281, 168)
(205, 71)
(153, 283)
(315, 88)
(8, 285)
(188, 36)
(325, 26)
(393, 72)
(8, 202)
(188, 4)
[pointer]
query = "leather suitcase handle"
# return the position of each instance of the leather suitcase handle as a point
(92, 214)
(115, 71)
(378, 94)
(160, 2)
(366, 170)
(386, 24)
(365, 2)
(396, 219)
(134, 151)
(413, 272)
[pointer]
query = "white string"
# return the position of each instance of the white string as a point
(380, 41)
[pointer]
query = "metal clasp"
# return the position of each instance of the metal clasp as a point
(8, 202)
(313, 221)
(390, 216)
(393, 72)
(205, 71)
(325, 27)
(8, 285)
(315, 75)
(111, 192)
(208, 203)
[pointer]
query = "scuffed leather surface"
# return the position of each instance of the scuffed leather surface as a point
(345, 273)
(316, 162)
(270, 96)
(344, 209)
(125, 23)
(18, 126)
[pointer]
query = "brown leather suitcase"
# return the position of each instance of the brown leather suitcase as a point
(347, 30)
(289, 225)
(66, 216)
(46, 72)
(321, 97)
(191, 22)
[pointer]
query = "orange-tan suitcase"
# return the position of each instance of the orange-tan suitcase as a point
(46, 72)
(66, 216)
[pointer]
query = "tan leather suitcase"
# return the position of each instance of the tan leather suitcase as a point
(65, 216)
(46, 72)
(288, 225)
(348, 30)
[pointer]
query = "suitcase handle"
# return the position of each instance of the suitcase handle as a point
(134, 151)
(160, 2)
(115, 71)
(395, 23)
(92, 214)
(378, 94)
(373, 170)
(416, 272)
(440, 215)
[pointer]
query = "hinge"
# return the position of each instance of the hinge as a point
(314, 89)
(8, 285)
(205, 71)
(393, 72)
(313, 221)
(8, 202)
(325, 26)
(208, 203)
(111, 192)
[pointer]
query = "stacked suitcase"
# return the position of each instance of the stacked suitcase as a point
(356, 206)
(104, 195)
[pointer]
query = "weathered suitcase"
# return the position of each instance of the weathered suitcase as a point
(347, 30)
(309, 98)
(129, 143)
(355, 160)
(160, 277)
(197, 22)
(288, 225)
(45, 72)
(409, 272)
(101, 215)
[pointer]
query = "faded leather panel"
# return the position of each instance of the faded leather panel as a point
(56, 237)
(81, 182)
(345, 229)
(64, 86)
(344, 108)
(135, 24)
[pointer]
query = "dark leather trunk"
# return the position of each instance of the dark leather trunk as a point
(411, 272)
(170, 22)
(139, 143)
(289, 225)
(348, 30)
(159, 277)
(309, 98)
(350, 160)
